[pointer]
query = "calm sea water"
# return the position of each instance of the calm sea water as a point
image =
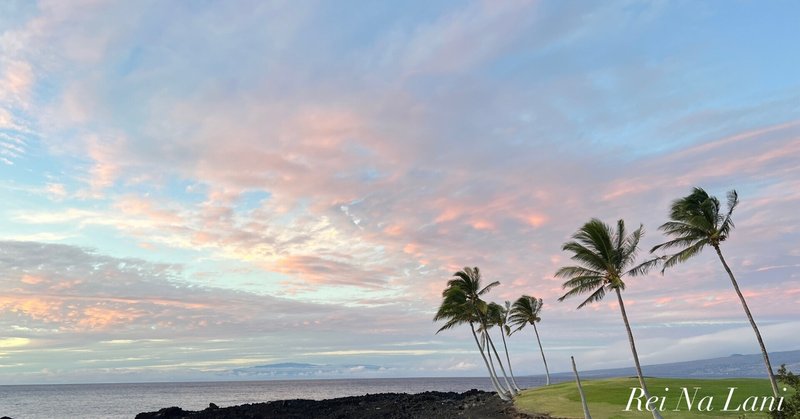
(92, 401)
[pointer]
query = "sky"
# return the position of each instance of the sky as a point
(190, 189)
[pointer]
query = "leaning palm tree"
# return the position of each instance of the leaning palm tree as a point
(526, 311)
(465, 307)
(697, 221)
(604, 257)
(497, 315)
(469, 280)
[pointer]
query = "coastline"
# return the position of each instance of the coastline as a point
(469, 404)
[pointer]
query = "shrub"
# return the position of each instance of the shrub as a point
(791, 402)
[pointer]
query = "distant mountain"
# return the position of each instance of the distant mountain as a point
(735, 365)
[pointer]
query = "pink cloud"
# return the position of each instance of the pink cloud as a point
(393, 230)
(449, 214)
(316, 270)
(536, 220)
(105, 155)
(135, 206)
(16, 81)
(31, 280)
(482, 225)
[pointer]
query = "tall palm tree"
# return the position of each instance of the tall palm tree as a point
(604, 257)
(469, 280)
(461, 304)
(697, 221)
(526, 311)
(497, 315)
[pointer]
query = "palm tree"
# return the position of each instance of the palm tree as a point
(469, 280)
(456, 310)
(696, 221)
(497, 315)
(461, 303)
(603, 258)
(526, 311)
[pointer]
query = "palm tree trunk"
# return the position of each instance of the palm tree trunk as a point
(546, 371)
(510, 371)
(493, 371)
(499, 362)
(655, 412)
(485, 347)
(491, 362)
(500, 392)
(770, 374)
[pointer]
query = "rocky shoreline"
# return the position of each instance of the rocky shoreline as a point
(432, 404)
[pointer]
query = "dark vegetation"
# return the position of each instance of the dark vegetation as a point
(791, 403)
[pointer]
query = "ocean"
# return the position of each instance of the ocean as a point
(112, 401)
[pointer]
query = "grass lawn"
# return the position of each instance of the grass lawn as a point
(608, 398)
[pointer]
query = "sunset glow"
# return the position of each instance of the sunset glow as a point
(191, 187)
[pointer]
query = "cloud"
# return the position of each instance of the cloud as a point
(458, 41)
(69, 291)
(318, 270)
(13, 342)
(16, 81)
(105, 312)
(360, 165)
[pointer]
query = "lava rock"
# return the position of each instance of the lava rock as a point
(444, 405)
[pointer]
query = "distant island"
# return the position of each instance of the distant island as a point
(732, 366)
(735, 365)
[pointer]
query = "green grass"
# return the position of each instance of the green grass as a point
(608, 398)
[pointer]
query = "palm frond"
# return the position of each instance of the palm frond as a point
(481, 308)
(682, 229)
(590, 259)
(488, 287)
(583, 281)
(629, 247)
(733, 201)
(596, 296)
(644, 267)
(449, 325)
(495, 315)
(679, 242)
(697, 209)
(596, 235)
(619, 235)
(727, 224)
(580, 289)
(684, 255)
(570, 271)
